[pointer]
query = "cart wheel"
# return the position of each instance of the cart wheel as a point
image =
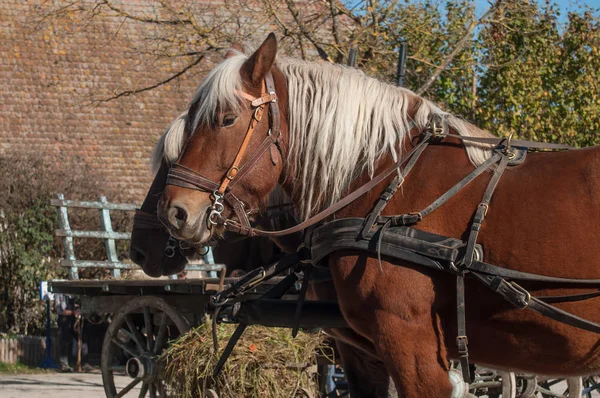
(137, 335)
(491, 383)
(569, 387)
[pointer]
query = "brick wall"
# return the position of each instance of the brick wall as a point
(49, 76)
(54, 72)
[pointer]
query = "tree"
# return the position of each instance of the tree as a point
(511, 70)
(538, 81)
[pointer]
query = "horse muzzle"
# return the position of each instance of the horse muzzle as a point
(186, 223)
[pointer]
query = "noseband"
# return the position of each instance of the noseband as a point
(221, 192)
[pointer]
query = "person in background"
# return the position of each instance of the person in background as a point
(65, 309)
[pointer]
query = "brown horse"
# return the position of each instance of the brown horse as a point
(153, 249)
(339, 128)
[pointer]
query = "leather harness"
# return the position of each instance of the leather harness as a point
(393, 236)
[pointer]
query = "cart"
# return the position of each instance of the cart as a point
(146, 314)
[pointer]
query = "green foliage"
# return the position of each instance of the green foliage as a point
(20, 368)
(29, 252)
(25, 242)
(518, 71)
(540, 81)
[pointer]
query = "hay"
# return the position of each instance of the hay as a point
(267, 362)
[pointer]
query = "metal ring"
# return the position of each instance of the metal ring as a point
(256, 114)
(212, 219)
(509, 139)
(183, 247)
(218, 207)
(169, 251)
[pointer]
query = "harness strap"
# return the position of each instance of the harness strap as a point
(482, 210)
(460, 185)
(493, 270)
(234, 226)
(301, 297)
(182, 176)
(385, 197)
(256, 156)
(461, 337)
(521, 298)
(461, 340)
(234, 169)
(516, 143)
(568, 298)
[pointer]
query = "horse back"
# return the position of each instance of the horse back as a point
(545, 215)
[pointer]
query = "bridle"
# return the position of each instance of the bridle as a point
(221, 192)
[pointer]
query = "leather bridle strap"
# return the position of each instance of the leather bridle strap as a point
(258, 104)
(185, 177)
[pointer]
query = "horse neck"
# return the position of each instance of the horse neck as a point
(439, 167)
(437, 170)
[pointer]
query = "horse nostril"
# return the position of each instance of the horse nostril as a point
(137, 256)
(177, 216)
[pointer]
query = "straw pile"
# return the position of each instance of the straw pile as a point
(267, 362)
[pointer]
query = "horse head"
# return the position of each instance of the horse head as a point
(233, 156)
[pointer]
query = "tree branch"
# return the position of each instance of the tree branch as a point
(304, 30)
(144, 20)
(155, 85)
(457, 49)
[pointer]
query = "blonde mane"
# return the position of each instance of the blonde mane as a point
(341, 123)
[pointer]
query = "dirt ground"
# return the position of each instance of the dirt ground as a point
(67, 385)
(56, 385)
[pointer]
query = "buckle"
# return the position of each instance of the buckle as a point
(486, 207)
(232, 172)
(462, 342)
(264, 99)
(521, 303)
(416, 214)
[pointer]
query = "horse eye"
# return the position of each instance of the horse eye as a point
(229, 120)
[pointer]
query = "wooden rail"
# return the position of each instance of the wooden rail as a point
(107, 234)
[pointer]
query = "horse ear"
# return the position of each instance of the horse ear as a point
(234, 50)
(261, 62)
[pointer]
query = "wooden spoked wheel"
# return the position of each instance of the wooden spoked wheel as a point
(493, 383)
(488, 383)
(137, 335)
(551, 387)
